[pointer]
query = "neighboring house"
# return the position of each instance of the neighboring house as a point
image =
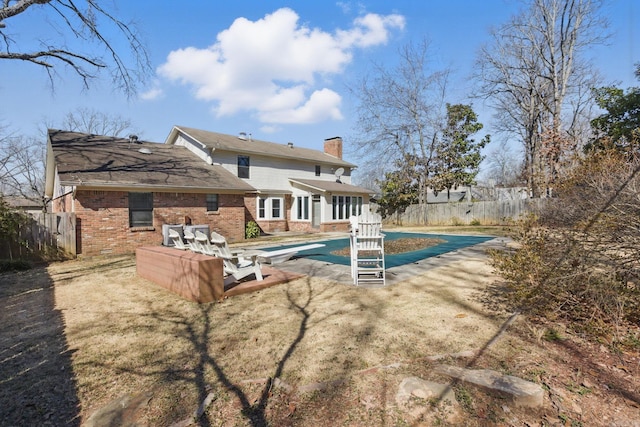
(124, 191)
(297, 189)
(453, 196)
(501, 193)
(28, 206)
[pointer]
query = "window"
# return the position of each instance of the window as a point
(275, 208)
(345, 206)
(317, 170)
(243, 166)
(140, 209)
(356, 207)
(212, 202)
(270, 207)
(302, 206)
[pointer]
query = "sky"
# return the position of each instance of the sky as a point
(278, 70)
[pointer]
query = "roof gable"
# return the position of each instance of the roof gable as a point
(103, 161)
(248, 145)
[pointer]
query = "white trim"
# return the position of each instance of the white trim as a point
(268, 208)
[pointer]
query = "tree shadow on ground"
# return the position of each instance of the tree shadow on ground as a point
(258, 400)
(37, 384)
(253, 409)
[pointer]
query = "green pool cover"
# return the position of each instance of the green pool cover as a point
(451, 243)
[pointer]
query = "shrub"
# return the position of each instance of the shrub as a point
(580, 259)
(11, 220)
(456, 222)
(14, 265)
(252, 230)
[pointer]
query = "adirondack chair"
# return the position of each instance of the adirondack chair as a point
(236, 265)
(175, 238)
(204, 244)
(192, 243)
(367, 250)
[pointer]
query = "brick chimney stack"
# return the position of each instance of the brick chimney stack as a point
(333, 146)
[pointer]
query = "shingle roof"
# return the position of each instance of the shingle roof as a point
(102, 161)
(332, 186)
(220, 141)
(442, 197)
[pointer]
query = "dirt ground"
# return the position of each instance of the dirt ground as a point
(78, 335)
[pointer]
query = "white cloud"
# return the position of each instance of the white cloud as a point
(322, 105)
(270, 129)
(151, 94)
(271, 66)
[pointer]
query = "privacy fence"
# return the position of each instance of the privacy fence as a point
(465, 213)
(44, 236)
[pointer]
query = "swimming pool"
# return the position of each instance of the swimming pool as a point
(451, 243)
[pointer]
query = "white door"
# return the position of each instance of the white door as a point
(316, 210)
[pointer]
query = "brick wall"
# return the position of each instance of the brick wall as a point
(103, 219)
(333, 146)
(301, 227)
(335, 226)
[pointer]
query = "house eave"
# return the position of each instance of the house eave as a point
(330, 188)
(154, 188)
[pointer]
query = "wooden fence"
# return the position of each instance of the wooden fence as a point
(485, 213)
(45, 236)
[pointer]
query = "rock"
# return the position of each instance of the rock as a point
(414, 386)
(524, 393)
(441, 395)
(586, 383)
(121, 412)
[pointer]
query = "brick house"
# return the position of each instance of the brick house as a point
(124, 192)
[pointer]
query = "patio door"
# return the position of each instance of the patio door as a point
(316, 210)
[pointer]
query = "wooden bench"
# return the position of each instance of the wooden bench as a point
(193, 276)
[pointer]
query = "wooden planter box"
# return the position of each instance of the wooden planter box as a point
(196, 277)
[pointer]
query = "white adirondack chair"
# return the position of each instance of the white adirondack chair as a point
(367, 250)
(236, 265)
(205, 245)
(175, 238)
(192, 243)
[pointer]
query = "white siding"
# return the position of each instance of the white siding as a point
(60, 190)
(273, 174)
(195, 147)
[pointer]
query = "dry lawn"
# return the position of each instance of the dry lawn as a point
(312, 352)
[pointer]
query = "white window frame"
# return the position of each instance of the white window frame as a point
(265, 207)
(343, 206)
(303, 208)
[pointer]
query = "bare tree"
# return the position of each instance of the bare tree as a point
(89, 120)
(534, 74)
(22, 158)
(401, 111)
(503, 165)
(86, 21)
(22, 168)
(509, 70)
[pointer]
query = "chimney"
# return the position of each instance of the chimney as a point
(333, 146)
